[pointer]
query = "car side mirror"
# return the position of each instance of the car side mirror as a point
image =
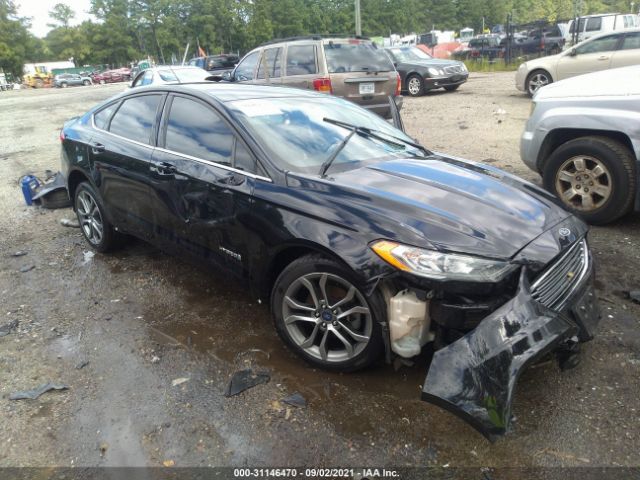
(573, 52)
(226, 76)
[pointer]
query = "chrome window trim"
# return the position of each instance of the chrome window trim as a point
(183, 155)
(215, 164)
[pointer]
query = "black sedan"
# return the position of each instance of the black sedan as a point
(421, 72)
(364, 243)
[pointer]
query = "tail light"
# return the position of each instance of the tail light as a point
(62, 135)
(398, 84)
(322, 85)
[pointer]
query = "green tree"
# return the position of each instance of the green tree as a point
(62, 14)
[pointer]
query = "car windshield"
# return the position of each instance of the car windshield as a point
(408, 54)
(356, 56)
(296, 135)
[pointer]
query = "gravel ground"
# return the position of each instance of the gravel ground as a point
(142, 320)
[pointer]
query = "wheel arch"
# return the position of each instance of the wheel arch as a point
(75, 178)
(559, 136)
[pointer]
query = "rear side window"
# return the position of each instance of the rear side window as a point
(135, 118)
(356, 57)
(301, 60)
(631, 41)
(594, 24)
(271, 60)
(101, 118)
(197, 130)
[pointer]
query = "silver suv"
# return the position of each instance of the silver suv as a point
(583, 138)
(350, 67)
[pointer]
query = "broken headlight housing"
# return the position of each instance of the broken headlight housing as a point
(439, 265)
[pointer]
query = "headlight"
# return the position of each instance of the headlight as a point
(440, 266)
(434, 71)
(464, 67)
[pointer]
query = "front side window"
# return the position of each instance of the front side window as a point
(135, 118)
(602, 44)
(244, 71)
(196, 130)
(301, 60)
(356, 56)
(271, 61)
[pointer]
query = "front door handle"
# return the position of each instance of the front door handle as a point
(164, 168)
(97, 148)
(603, 57)
(232, 179)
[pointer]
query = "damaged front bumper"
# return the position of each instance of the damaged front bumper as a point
(475, 377)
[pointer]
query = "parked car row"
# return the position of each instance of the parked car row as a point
(112, 76)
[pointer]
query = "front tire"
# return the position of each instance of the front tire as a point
(321, 312)
(594, 177)
(86, 82)
(95, 227)
(536, 80)
(415, 85)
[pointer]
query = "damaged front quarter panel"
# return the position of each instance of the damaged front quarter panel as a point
(475, 377)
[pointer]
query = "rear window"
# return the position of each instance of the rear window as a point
(356, 57)
(135, 118)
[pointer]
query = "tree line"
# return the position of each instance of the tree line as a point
(128, 30)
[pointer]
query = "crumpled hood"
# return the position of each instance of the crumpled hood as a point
(451, 205)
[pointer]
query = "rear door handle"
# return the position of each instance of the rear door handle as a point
(232, 179)
(165, 168)
(97, 148)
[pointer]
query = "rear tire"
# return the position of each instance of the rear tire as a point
(96, 228)
(605, 167)
(322, 314)
(415, 85)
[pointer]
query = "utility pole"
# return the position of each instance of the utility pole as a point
(358, 19)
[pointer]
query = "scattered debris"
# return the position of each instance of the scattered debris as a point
(245, 379)
(179, 381)
(36, 392)
(82, 364)
(53, 194)
(635, 295)
(168, 463)
(8, 327)
(295, 400)
(27, 268)
(103, 447)
(19, 253)
(87, 256)
(70, 222)
(155, 359)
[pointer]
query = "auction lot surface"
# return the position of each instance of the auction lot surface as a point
(142, 319)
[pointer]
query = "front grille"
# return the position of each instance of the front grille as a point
(558, 281)
(453, 69)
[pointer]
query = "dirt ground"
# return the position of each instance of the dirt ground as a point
(120, 329)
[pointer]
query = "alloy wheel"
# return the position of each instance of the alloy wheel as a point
(583, 183)
(327, 317)
(90, 218)
(537, 81)
(414, 85)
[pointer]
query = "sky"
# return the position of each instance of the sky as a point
(39, 11)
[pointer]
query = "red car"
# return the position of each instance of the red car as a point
(112, 76)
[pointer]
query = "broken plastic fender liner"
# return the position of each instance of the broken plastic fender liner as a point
(475, 377)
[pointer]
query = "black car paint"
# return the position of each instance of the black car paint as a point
(421, 68)
(249, 224)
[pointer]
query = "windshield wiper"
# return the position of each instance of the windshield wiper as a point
(372, 133)
(327, 163)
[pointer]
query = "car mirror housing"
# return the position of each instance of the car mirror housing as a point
(573, 52)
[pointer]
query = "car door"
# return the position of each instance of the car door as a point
(120, 153)
(201, 185)
(591, 56)
(301, 66)
(269, 67)
(75, 80)
(629, 52)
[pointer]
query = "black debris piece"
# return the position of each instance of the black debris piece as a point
(27, 268)
(83, 363)
(19, 253)
(295, 400)
(53, 194)
(8, 327)
(36, 392)
(245, 379)
(635, 295)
